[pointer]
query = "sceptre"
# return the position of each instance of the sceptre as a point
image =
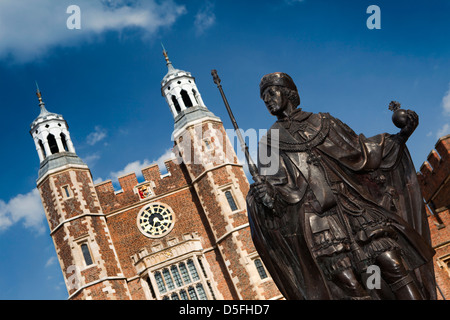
(251, 164)
(252, 168)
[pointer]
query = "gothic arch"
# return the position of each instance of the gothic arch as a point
(64, 141)
(195, 94)
(187, 101)
(52, 144)
(176, 104)
(41, 145)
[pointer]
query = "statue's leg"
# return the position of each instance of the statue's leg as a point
(395, 274)
(338, 269)
(347, 281)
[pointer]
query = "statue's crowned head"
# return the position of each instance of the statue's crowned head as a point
(284, 81)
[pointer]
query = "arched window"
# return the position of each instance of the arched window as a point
(64, 142)
(259, 266)
(231, 201)
(41, 145)
(187, 101)
(195, 96)
(52, 144)
(177, 105)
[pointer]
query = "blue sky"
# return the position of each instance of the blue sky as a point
(105, 80)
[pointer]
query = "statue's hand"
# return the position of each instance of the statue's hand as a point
(263, 192)
(411, 124)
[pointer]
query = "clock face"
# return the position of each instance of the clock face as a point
(155, 220)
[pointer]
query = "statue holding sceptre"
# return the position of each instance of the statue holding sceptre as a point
(338, 205)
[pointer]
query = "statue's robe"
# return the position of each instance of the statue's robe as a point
(283, 236)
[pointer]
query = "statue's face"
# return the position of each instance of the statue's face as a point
(275, 100)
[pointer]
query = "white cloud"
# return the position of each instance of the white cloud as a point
(205, 18)
(29, 28)
(160, 161)
(137, 166)
(51, 261)
(134, 166)
(23, 207)
(91, 159)
(446, 102)
(443, 131)
(98, 180)
(98, 135)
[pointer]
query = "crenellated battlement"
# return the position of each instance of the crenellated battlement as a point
(434, 177)
(434, 174)
(132, 191)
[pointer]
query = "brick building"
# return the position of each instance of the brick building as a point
(181, 235)
(434, 178)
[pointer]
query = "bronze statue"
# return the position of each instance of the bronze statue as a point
(338, 203)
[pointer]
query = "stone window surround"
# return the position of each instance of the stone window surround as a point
(66, 189)
(190, 247)
(229, 187)
(251, 260)
(78, 253)
(193, 283)
(444, 263)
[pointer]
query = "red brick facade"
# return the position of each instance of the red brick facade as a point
(76, 218)
(209, 239)
(179, 235)
(434, 179)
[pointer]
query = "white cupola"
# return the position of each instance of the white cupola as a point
(179, 89)
(182, 95)
(50, 132)
(51, 137)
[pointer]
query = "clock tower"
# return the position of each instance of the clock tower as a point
(88, 260)
(182, 234)
(203, 147)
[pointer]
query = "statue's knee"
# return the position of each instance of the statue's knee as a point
(347, 280)
(391, 265)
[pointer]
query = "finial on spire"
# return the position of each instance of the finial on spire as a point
(168, 62)
(41, 102)
(165, 54)
(38, 93)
